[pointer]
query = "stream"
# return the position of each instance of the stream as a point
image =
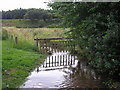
(63, 70)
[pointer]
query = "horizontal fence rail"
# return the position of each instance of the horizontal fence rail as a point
(51, 38)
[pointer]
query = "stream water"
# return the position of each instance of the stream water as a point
(63, 70)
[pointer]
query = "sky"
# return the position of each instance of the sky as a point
(16, 4)
(25, 4)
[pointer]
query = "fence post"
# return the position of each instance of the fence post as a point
(16, 40)
(11, 37)
(37, 42)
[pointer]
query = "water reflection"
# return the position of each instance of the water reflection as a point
(81, 76)
(63, 70)
(59, 60)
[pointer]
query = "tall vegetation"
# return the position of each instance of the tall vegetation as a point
(31, 13)
(95, 28)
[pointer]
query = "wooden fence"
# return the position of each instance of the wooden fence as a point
(54, 44)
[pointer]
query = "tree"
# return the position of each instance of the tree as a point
(27, 14)
(37, 14)
(14, 14)
(95, 28)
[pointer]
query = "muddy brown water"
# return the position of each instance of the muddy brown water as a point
(63, 70)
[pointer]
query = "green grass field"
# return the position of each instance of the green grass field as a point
(26, 23)
(17, 63)
(22, 23)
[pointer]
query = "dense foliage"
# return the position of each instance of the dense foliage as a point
(14, 14)
(95, 27)
(27, 14)
(37, 14)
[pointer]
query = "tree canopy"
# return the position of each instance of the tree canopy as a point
(37, 14)
(14, 14)
(27, 14)
(95, 29)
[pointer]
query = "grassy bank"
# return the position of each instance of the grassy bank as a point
(17, 64)
(26, 35)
